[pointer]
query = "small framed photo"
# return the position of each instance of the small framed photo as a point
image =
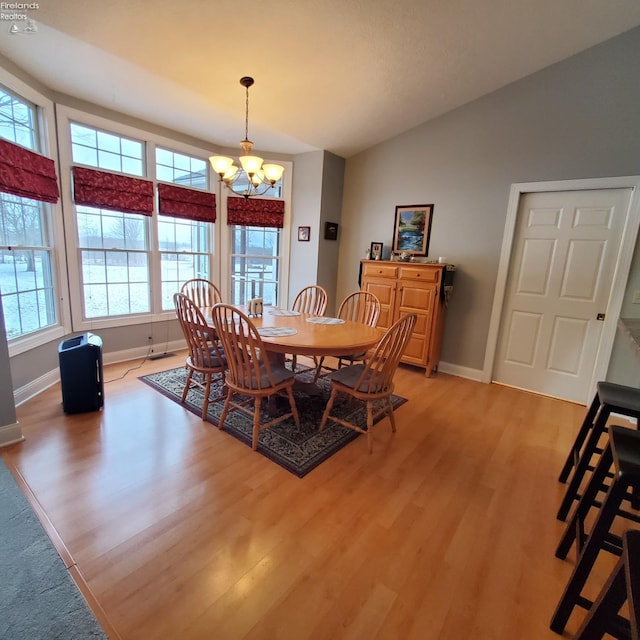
(304, 234)
(376, 250)
(330, 230)
(412, 229)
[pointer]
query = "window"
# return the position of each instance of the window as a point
(185, 245)
(113, 246)
(115, 262)
(255, 264)
(130, 260)
(106, 150)
(27, 282)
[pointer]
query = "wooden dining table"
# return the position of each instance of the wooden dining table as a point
(302, 334)
(314, 335)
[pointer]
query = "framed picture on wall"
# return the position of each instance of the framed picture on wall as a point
(304, 234)
(376, 250)
(330, 230)
(412, 229)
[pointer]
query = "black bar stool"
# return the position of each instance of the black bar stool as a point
(610, 398)
(623, 452)
(623, 585)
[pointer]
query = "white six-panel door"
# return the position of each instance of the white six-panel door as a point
(564, 254)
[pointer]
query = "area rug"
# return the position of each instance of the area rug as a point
(38, 598)
(297, 451)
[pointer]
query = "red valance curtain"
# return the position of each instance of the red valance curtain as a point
(105, 190)
(181, 202)
(27, 174)
(255, 213)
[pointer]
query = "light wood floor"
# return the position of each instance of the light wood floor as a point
(447, 531)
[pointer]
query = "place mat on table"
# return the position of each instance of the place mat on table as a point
(268, 332)
(323, 320)
(284, 312)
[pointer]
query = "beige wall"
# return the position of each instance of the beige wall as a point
(576, 119)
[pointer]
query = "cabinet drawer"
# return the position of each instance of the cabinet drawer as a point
(379, 270)
(427, 274)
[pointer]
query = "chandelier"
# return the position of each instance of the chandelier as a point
(253, 178)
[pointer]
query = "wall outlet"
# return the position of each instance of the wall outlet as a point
(636, 297)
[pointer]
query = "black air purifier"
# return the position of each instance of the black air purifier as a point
(81, 373)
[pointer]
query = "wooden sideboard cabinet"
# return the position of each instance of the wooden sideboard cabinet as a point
(410, 287)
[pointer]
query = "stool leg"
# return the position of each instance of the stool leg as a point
(588, 556)
(583, 464)
(606, 607)
(580, 438)
(586, 502)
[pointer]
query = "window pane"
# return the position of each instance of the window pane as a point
(84, 155)
(28, 296)
(109, 161)
(115, 283)
(108, 142)
(181, 169)
(254, 264)
(18, 120)
(178, 268)
(131, 148)
(132, 166)
(84, 136)
(106, 150)
(164, 174)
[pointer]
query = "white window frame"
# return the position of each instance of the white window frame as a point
(46, 130)
(194, 254)
(285, 238)
(67, 115)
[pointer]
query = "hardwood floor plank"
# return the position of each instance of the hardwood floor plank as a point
(446, 531)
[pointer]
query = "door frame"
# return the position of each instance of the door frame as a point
(620, 274)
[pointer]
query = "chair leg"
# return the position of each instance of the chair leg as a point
(369, 425)
(294, 409)
(599, 427)
(318, 368)
(587, 425)
(584, 505)
(225, 409)
(207, 391)
(606, 607)
(327, 409)
(583, 566)
(389, 412)
(256, 422)
(187, 384)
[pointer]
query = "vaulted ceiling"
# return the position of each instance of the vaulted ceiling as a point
(340, 75)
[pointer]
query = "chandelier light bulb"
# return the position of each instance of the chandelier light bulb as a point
(220, 164)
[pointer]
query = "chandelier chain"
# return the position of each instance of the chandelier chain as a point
(246, 117)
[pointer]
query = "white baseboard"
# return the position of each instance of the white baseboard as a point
(10, 434)
(50, 378)
(33, 388)
(461, 372)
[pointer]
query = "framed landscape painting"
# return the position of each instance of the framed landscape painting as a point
(412, 229)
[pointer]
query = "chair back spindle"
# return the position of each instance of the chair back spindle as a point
(311, 300)
(203, 292)
(360, 306)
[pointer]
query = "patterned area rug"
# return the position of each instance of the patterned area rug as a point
(297, 451)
